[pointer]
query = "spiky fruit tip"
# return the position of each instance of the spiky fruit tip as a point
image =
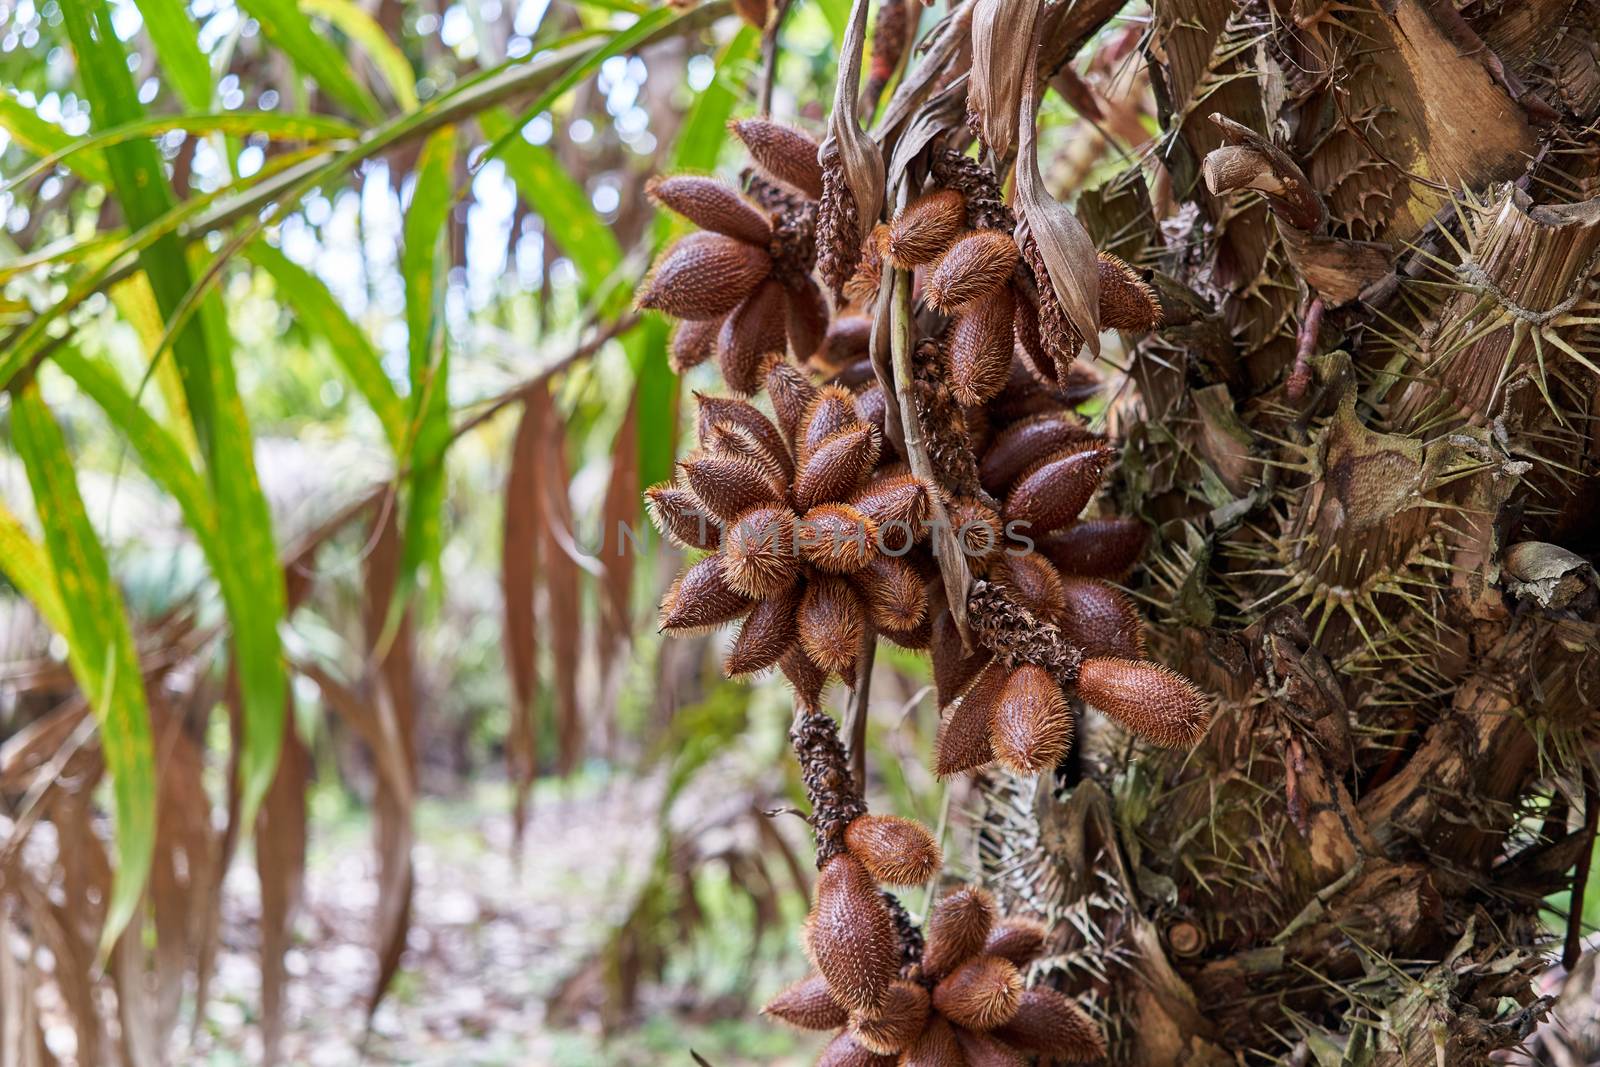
(895, 850)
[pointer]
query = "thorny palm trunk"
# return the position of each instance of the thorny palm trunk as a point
(1374, 556)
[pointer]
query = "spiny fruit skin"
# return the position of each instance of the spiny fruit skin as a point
(1096, 548)
(758, 551)
(701, 598)
(783, 152)
(711, 205)
(847, 339)
(833, 409)
(852, 936)
(935, 1047)
(897, 1022)
(837, 538)
(1032, 726)
(808, 1005)
(980, 994)
(981, 1050)
(1019, 940)
(1153, 701)
(928, 225)
(804, 676)
(756, 331)
(1036, 585)
(964, 738)
(704, 276)
(838, 466)
(957, 929)
(693, 342)
(832, 622)
(730, 485)
(952, 670)
(1101, 619)
(846, 1051)
(901, 498)
(1050, 1025)
(715, 409)
(1126, 302)
(897, 597)
(980, 347)
(862, 287)
(894, 850)
(1027, 441)
(791, 393)
(973, 268)
(680, 517)
(1053, 491)
(807, 319)
(771, 629)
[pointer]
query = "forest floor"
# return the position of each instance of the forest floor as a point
(489, 946)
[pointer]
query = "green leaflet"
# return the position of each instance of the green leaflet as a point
(570, 221)
(42, 138)
(616, 44)
(354, 22)
(24, 562)
(320, 313)
(177, 41)
(426, 227)
(99, 646)
(312, 54)
(247, 566)
(705, 129)
(160, 454)
(310, 128)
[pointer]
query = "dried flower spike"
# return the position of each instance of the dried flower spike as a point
(1153, 701)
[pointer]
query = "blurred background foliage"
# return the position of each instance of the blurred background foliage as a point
(332, 718)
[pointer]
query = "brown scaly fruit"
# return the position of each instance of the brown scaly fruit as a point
(795, 513)
(980, 994)
(852, 938)
(1048, 1024)
(972, 268)
(1153, 701)
(895, 850)
(808, 1005)
(926, 228)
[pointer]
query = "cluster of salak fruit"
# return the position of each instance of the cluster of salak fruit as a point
(818, 538)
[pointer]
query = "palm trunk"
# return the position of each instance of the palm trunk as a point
(1367, 439)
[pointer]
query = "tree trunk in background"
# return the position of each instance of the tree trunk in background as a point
(1374, 558)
